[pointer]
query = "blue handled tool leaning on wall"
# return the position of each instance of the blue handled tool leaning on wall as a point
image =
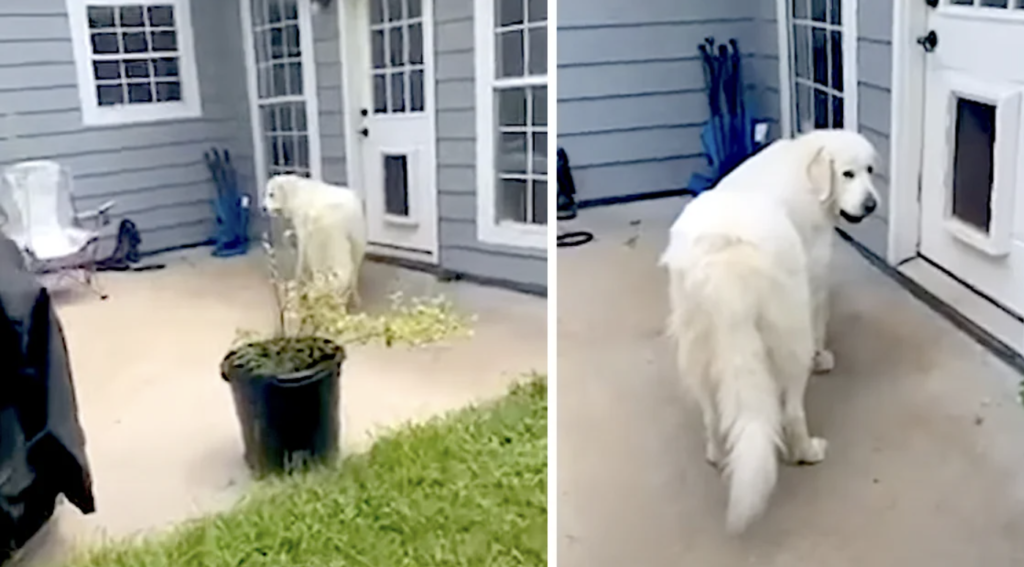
(231, 206)
(728, 137)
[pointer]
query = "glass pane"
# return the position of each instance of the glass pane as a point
(132, 17)
(836, 62)
(835, 12)
(394, 10)
(279, 80)
(800, 9)
(821, 108)
(838, 115)
(288, 150)
(961, 2)
(277, 43)
(396, 185)
(261, 46)
(414, 9)
(396, 51)
(105, 43)
(295, 78)
(512, 107)
(380, 94)
(161, 16)
(273, 150)
(164, 40)
(101, 16)
(540, 153)
(269, 118)
(299, 111)
(106, 70)
(818, 10)
(263, 80)
(136, 68)
(973, 159)
(259, 12)
(537, 10)
(398, 92)
(509, 12)
(512, 200)
(994, 3)
(802, 51)
(284, 114)
(274, 11)
(510, 54)
(291, 41)
(538, 51)
(415, 39)
(376, 11)
(168, 91)
(539, 106)
(135, 42)
(820, 57)
(291, 10)
(140, 92)
(377, 49)
(107, 95)
(165, 67)
(540, 202)
(302, 151)
(804, 110)
(416, 102)
(512, 154)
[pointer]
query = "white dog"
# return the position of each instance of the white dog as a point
(748, 265)
(329, 224)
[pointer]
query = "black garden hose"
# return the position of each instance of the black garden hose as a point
(567, 204)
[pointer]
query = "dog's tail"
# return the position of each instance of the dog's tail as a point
(722, 301)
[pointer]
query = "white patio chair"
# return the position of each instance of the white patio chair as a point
(39, 215)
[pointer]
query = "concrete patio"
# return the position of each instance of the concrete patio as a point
(925, 465)
(162, 436)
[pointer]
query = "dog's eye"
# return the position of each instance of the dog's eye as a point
(848, 174)
(870, 170)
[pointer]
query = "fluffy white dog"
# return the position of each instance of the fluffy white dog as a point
(329, 224)
(748, 266)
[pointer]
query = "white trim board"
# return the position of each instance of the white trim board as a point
(783, 25)
(519, 235)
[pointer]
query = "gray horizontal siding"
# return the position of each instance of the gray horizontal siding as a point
(456, 154)
(154, 171)
(327, 53)
(874, 100)
(631, 100)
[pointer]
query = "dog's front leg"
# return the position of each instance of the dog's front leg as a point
(824, 360)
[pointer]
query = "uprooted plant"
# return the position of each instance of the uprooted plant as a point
(313, 308)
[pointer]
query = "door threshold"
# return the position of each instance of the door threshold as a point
(977, 310)
(400, 254)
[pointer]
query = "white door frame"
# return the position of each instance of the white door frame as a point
(309, 92)
(354, 54)
(784, 28)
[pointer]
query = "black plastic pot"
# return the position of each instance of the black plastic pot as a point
(290, 421)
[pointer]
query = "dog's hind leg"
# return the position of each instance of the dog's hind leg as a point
(714, 453)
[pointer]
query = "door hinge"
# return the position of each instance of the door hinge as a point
(919, 187)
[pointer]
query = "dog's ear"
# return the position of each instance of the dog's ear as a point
(820, 174)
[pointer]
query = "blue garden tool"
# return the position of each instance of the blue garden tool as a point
(230, 205)
(727, 138)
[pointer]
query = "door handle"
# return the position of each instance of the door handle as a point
(365, 132)
(929, 41)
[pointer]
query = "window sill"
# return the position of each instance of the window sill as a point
(127, 116)
(514, 235)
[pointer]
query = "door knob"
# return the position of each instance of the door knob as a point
(929, 41)
(365, 132)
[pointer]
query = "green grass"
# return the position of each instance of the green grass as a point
(468, 489)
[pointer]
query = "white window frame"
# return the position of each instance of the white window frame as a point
(787, 75)
(488, 229)
(190, 105)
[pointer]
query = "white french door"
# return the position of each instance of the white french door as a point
(282, 87)
(390, 61)
(972, 206)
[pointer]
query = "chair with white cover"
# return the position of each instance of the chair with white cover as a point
(37, 212)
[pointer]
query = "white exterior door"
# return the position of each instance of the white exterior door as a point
(972, 206)
(394, 123)
(282, 87)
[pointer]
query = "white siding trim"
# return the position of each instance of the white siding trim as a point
(92, 113)
(519, 235)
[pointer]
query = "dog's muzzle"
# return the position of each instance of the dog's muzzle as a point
(870, 204)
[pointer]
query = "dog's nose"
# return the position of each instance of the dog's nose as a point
(870, 204)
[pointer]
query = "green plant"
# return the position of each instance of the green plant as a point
(310, 309)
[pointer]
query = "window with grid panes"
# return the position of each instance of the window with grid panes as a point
(521, 126)
(817, 55)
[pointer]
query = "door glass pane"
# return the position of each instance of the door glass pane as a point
(818, 10)
(973, 161)
(415, 39)
(537, 10)
(538, 51)
(835, 12)
(837, 112)
(416, 91)
(820, 57)
(994, 3)
(398, 92)
(396, 185)
(801, 8)
(836, 61)
(414, 9)
(821, 109)
(802, 51)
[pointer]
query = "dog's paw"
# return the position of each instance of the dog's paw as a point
(813, 453)
(824, 361)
